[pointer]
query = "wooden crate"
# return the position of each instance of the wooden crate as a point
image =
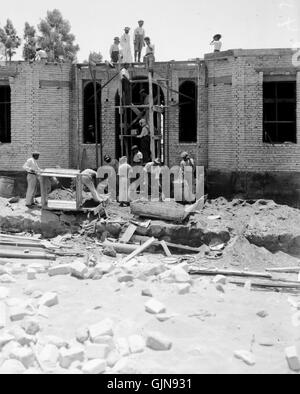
(60, 205)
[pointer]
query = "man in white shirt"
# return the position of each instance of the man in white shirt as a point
(126, 48)
(139, 41)
(125, 78)
(217, 43)
(33, 171)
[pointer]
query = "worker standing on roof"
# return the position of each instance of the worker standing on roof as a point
(217, 43)
(150, 54)
(125, 46)
(139, 41)
(33, 171)
(115, 51)
(88, 178)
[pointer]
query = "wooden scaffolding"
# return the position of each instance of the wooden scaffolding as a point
(126, 122)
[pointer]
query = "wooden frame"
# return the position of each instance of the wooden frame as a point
(54, 205)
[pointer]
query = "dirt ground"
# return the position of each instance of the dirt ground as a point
(206, 326)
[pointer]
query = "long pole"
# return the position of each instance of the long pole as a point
(151, 116)
(96, 119)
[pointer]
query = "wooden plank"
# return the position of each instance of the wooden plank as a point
(121, 248)
(78, 192)
(285, 270)
(12, 238)
(126, 237)
(139, 250)
(62, 205)
(44, 194)
(151, 116)
(21, 244)
(183, 247)
(269, 284)
(166, 249)
(214, 272)
(11, 254)
(61, 171)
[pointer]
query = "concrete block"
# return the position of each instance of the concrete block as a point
(155, 307)
(25, 355)
(79, 270)
(94, 351)
(82, 335)
(136, 344)
(31, 274)
(122, 346)
(12, 367)
(68, 356)
(126, 278)
(183, 289)
(18, 313)
(245, 356)
(49, 356)
(179, 275)
(31, 326)
(220, 280)
(147, 293)
(59, 270)
(113, 357)
(49, 300)
(156, 341)
(104, 328)
(105, 340)
(292, 357)
(94, 367)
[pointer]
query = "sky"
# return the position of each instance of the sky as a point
(180, 29)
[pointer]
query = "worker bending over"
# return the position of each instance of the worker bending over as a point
(88, 179)
(33, 171)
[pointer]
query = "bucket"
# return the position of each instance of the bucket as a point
(6, 187)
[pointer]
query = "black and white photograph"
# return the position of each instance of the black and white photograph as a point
(150, 190)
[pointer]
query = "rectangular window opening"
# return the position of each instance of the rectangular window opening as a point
(5, 114)
(280, 112)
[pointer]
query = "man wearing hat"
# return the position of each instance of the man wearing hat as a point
(137, 156)
(217, 43)
(41, 55)
(115, 51)
(139, 41)
(33, 171)
(125, 46)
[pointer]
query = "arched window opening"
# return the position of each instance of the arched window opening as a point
(89, 124)
(5, 117)
(188, 99)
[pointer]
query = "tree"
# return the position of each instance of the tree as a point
(95, 58)
(10, 40)
(30, 38)
(56, 37)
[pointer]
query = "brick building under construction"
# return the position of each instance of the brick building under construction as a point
(236, 112)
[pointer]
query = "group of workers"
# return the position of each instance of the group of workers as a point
(89, 177)
(120, 51)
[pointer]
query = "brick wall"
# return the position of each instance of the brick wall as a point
(84, 154)
(236, 112)
(40, 114)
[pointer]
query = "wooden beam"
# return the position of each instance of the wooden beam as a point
(269, 284)
(126, 237)
(151, 116)
(140, 250)
(166, 249)
(286, 270)
(214, 272)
